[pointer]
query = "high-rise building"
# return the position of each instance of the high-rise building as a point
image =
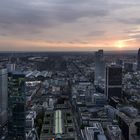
(16, 106)
(99, 66)
(11, 67)
(138, 61)
(128, 67)
(3, 97)
(113, 81)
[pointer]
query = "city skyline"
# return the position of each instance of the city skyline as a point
(70, 96)
(40, 25)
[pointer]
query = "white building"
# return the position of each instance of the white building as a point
(95, 132)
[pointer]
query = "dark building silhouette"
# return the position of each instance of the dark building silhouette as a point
(128, 67)
(16, 106)
(138, 61)
(113, 81)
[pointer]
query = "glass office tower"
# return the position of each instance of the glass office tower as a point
(16, 106)
(114, 81)
(3, 97)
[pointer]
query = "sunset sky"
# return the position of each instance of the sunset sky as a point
(69, 25)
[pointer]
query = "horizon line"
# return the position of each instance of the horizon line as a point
(33, 51)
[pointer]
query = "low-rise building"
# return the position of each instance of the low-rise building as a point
(94, 133)
(58, 124)
(114, 132)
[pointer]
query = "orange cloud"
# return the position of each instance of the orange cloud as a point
(16, 44)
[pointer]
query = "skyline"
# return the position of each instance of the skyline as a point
(52, 25)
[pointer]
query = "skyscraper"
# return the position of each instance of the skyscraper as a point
(11, 67)
(99, 66)
(16, 112)
(138, 61)
(3, 96)
(114, 81)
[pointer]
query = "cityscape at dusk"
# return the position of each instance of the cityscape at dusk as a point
(70, 70)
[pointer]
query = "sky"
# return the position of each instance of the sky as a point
(69, 25)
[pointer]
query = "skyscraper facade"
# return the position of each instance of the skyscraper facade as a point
(11, 67)
(138, 61)
(16, 103)
(99, 66)
(113, 81)
(3, 96)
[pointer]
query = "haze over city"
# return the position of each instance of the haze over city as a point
(74, 25)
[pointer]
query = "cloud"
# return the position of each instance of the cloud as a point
(135, 21)
(68, 20)
(96, 33)
(34, 14)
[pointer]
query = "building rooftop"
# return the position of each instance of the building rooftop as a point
(58, 122)
(114, 130)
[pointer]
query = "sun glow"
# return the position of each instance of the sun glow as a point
(120, 44)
